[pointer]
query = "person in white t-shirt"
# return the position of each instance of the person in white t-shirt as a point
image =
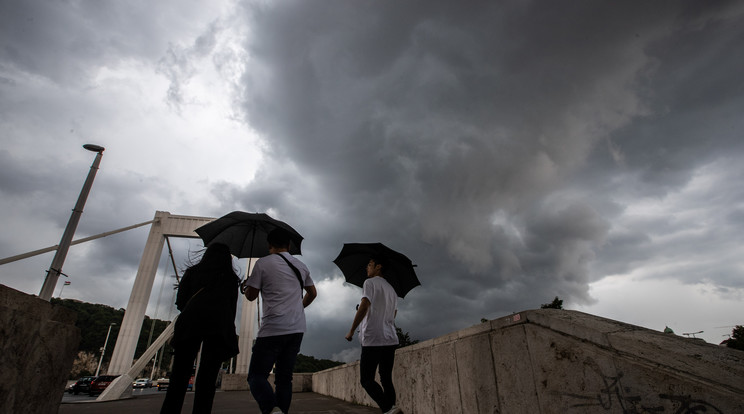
(375, 317)
(280, 278)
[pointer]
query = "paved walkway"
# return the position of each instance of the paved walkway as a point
(224, 402)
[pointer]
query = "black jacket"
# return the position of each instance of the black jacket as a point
(208, 302)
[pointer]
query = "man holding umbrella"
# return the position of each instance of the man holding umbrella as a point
(280, 278)
(375, 317)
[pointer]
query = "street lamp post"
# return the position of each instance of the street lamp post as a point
(103, 350)
(64, 245)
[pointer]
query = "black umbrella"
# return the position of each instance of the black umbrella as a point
(399, 272)
(245, 233)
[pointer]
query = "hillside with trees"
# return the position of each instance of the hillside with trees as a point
(310, 364)
(94, 320)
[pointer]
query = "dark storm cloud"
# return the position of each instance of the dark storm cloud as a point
(63, 40)
(31, 183)
(515, 151)
(453, 132)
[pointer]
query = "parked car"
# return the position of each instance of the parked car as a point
(81, 385)
(142, 383)
(100, 383)
(163, 383)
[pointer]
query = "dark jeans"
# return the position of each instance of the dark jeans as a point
(206, 378)
(384, 358)
(280, 350)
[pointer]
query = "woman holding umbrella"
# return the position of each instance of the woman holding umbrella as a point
(207, 298)
(376, 319)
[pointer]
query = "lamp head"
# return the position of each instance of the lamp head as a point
(94, 148)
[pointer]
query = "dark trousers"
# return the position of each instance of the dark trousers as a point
(206, 378)
(280, 350)
(384, 358)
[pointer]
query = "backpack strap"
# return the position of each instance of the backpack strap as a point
(295, 270)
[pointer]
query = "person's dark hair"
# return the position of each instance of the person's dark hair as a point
(278, 238)
(380, 260)
(216, 257)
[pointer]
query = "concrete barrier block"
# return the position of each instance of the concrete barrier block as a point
(553, 361)
(515, 381)
(451, 337)
(445, 390)
(476, 373)
(513, 319)
(302, 382)
(412, 378)
(39, 344)
(234, 382)
(576, 324)
(660, 389)
(481, 328)
(697, 359)
(356, 393)
(567, 373)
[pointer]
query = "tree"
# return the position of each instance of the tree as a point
(85, 365)
(556, 304)
(737, 338)
(93, 320)
(404, 339)
(311, 364)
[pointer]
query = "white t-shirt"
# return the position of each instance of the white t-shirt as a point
(281, 294)
(378, 326)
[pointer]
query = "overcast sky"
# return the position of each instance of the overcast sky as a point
(515, 150)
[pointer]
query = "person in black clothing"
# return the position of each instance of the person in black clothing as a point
(207, 298)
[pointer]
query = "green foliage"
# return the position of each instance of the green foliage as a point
(556, 304)
(404, 339)
(93, 321)
(737, 338)
(310, 364)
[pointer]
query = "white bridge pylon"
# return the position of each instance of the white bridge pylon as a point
(167, 225)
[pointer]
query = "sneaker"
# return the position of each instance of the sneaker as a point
(393, 410)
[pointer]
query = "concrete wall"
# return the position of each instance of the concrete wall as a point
(38, 345)
(556, 361)
(238, 382)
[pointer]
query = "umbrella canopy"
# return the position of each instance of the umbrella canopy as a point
(245, 233)
(399, 272)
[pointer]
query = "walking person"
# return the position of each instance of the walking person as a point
(207, 298)
(281, 279)
(375, 317)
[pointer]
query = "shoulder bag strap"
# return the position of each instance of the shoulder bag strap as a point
(191, 298)
(294, 269)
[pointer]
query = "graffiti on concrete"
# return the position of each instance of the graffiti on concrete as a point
(688, 405)
(613, 397)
